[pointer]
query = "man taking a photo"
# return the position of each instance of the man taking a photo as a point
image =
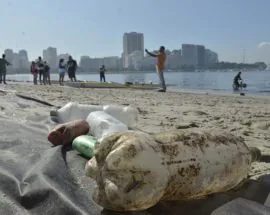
(160, 64)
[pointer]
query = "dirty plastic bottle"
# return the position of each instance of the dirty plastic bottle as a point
(101, 124)
(126, 114)
(85, 145)
(172, 165)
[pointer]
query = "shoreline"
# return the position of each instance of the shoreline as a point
(170, 89)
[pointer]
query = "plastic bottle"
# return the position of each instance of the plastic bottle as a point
(143, 169)
(101, 124)
(85, 145)
(72, 111)
(126, 114)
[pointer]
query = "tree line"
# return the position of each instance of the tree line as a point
(230, 65)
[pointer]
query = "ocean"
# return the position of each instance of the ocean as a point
(258, 82)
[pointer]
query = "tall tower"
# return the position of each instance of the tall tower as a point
(132, 42)
(244, 55)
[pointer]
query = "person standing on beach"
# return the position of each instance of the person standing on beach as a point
(71, 68)
(62, 71)
(40, 68)
(34, 72)
(160, 64)
(3, 68)
(102, 71)
(47, 76)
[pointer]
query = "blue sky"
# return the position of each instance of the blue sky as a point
(96, 27)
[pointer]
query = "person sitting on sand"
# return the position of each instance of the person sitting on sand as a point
(236, 80)
(160, 64)
(3, 68)
(34, 72)
(102, 71)
(62, 71)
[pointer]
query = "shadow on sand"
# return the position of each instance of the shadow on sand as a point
(252, 190)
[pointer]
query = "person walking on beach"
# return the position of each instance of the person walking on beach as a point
(160, 64)
(71, 68)
(3, 68)
(102, 71)
(62, 71)
(40, 68)
(34, 72)
(47, 76)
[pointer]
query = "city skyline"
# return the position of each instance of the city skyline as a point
(190, 56)
(244, 57)
(228, 27)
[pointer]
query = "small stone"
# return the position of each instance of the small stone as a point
(246, 133)
(187, 125)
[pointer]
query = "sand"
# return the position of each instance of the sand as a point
(245, 116)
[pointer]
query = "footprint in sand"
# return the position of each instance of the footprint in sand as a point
(195, 112)
(263, 125)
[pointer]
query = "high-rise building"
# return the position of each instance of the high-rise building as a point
(189, 52)
(9, 55)
(200, 56)
(23, 59)
(132, 42)
(193, 55)
(16, 63)
(50, 55)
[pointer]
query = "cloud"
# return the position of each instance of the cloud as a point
(263, 44)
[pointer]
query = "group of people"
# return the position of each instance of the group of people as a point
(70, 67)
(41, 69)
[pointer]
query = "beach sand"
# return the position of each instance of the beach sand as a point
(245, 116)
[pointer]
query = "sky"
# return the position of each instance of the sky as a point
(96, 27)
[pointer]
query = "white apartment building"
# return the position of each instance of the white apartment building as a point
(111, 62)
(210, 57)
(87, 63)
